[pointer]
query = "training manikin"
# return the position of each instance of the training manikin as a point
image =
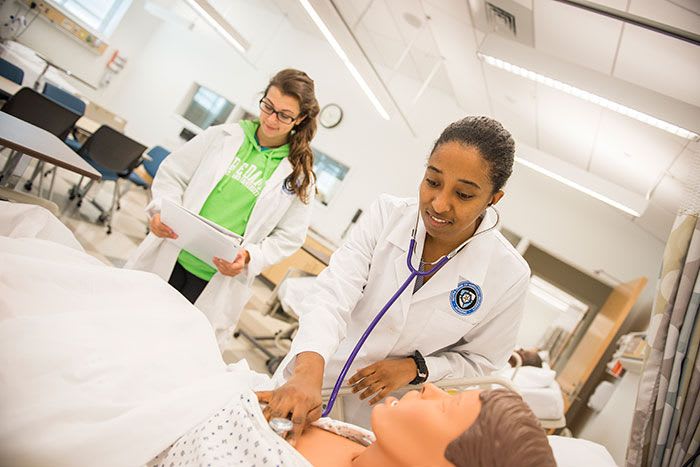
(423, 428)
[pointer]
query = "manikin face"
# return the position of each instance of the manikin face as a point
(270, 124)
(416, 429)
(455, 191)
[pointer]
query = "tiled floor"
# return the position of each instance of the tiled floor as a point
(128, 230)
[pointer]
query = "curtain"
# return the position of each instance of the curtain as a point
(667, 412)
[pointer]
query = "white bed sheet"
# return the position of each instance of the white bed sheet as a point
(141, 366)
(575, 452)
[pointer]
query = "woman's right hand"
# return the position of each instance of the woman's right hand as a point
(299, 399)
(159, 229)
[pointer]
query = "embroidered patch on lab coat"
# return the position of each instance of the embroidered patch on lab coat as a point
(466, 298)
(287, 188)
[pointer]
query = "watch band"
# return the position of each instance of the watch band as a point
(422, 368)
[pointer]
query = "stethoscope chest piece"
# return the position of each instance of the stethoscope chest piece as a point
(281, 425)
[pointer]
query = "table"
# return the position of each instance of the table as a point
(40, 144)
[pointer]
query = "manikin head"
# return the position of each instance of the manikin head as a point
(434, 428)
(529, 357)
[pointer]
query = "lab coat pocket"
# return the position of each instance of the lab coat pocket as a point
(446, 327)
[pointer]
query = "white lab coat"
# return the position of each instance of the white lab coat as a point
(368, 269)
(276, 228)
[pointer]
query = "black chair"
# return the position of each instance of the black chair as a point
(114, 155)
(40, 111)
(74, 103)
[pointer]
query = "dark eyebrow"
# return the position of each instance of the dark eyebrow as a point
(467, 182)
(288, 111)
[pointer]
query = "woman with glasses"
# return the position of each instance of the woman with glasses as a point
(255, 178)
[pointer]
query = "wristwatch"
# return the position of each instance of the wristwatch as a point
(422, 368)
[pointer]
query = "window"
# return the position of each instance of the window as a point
(329, 174)
(101, 16)
(207, 108)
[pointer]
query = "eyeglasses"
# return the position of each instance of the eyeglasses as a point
(267, 107)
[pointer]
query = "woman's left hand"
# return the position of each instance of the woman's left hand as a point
(236, 266)
(383, 377)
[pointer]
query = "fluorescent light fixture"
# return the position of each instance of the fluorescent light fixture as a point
(617, 197)
(642, 104)
(204, 9)
(547, 297)
(590, 97)
(344, 57)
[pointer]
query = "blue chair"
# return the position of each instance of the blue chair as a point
(11, 72)
(71, 102)
(157, 155)
(65, 98)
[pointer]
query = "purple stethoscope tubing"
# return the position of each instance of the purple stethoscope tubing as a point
(413, 273)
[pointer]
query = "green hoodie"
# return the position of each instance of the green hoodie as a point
(233, 198)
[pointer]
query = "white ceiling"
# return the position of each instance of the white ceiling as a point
(441, 33)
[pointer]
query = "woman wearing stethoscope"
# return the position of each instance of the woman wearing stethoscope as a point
(254, 178)
(458, 321)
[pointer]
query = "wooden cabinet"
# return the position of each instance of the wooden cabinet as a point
(312, 257)
(599, 335)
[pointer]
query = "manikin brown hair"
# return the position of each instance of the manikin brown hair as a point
(297, 84)
(505, 434)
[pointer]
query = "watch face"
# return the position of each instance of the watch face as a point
(331, 115)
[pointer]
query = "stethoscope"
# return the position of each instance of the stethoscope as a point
(436, 266)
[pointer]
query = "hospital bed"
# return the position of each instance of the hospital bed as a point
(111, 364)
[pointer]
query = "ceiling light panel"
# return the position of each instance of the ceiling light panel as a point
(620, 198)
(334, 30)
(628, 99)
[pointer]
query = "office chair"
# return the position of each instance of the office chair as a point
(72, 102)
(65, 98)
(40, 111)
(114, 155)
(12, 72)
(157, 155)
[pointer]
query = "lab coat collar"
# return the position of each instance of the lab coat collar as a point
(400, 235)
(470, 264)
(283, 170)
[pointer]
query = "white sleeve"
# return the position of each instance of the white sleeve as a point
(176, 171)
(285, 238)
(325, 312)
(487, 347)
